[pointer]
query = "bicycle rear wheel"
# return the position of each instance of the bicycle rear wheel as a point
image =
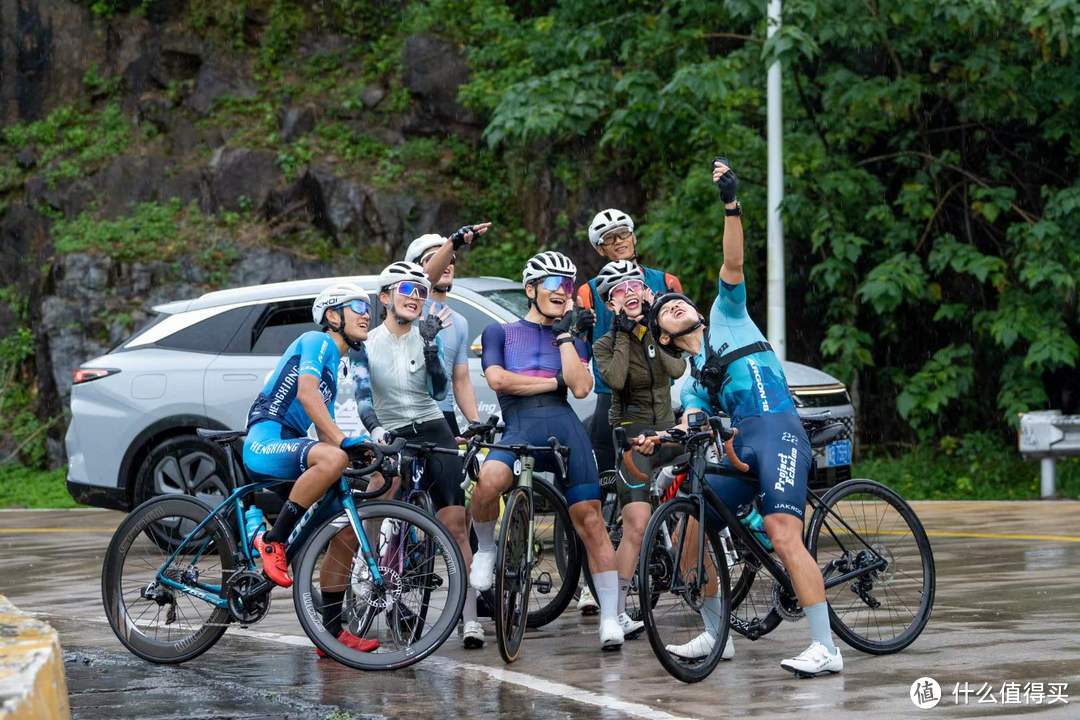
(881, 611)
(513, 575)
(414, 580)
(684, 605)
(557, 556)
(154, 621)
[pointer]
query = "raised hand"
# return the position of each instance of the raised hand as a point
(725, 179)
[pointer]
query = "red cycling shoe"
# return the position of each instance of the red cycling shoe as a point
(349, 640)
(275, 566)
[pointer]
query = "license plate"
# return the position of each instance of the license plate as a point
(838, 453)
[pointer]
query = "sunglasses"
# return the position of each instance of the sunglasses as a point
(552, 283)
(360, 307)
(414, 289)
(620, 290)
(427, 258)
(614, 237)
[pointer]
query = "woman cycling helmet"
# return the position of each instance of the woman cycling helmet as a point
(547, 263)
(606, 221)
(403, 270)
(422, 245)
(615, 272)
(336, 296)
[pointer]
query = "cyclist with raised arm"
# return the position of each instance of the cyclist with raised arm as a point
(301, 392)
(611, 235)
(408, 378)
(639, 377)
(530, 364)
(736, 371)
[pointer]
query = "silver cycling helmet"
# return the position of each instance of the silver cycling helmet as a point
(606, 221)
(422, 245)
(335, 296)
(547, 263)
(616, 272)
(401, 270)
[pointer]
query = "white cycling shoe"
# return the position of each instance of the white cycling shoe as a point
(631, 628)
(611, 635)
(586, 603)
(814, 660)
(473, 635)
(482, 571)
(701, 646)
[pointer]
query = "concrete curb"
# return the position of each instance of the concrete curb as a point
(32, 681)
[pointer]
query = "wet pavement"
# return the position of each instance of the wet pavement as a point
(1007, 611)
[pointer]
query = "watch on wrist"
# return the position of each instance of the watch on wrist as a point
(735, 211)
(563, 340)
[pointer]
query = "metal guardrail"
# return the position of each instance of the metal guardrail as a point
(1047, 435)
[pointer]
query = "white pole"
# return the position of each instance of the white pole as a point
(1048, 480)
(775, 229)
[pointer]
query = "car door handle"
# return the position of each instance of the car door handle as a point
(239, 377)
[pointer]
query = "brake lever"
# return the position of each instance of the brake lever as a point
(560, 461)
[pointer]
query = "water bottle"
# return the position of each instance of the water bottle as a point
(752, 521)
(253, 522)
(663, 482)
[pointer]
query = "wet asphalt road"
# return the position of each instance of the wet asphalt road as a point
(1007, 610)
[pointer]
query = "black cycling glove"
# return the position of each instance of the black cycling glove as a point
(562, 325)
(728, 182)
(623, 323)
(429, 328)
(585, 322)
(458, 236)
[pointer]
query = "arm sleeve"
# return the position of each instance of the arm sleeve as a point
(436, 370)
(731, 300)
(694, 397)
(492, 342)
(365, 399)
(314, 349)
(611, 354)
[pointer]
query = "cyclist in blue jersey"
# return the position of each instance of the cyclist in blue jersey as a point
(735, 371)
(300, 392)
(530, 364)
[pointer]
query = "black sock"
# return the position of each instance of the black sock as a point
(332, 611)
(286, 519)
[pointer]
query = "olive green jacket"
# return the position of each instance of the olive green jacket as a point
(639, 374)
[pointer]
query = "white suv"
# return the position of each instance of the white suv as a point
(201, 362)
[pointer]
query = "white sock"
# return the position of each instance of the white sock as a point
(485, 535)
(710, 613)
(607, 593)
(624, 585)
(468, 613)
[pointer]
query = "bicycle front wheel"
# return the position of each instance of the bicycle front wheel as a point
(686, 601)
(421, 574)
(513, 575)
(150, 616)
(859, 524)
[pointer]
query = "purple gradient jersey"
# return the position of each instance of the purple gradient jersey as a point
(526, 348)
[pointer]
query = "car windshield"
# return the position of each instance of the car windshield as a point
(512, 300)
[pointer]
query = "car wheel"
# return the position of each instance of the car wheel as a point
(183, 465)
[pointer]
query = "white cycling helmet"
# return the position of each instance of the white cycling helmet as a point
(334, 296)
(606, 221)
(402, 270)
(616, 272)
(547, 263)
(420, 247)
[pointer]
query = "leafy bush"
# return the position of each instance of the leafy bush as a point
(27, 487)
(73, 141)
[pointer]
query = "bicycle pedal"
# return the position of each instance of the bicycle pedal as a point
(542, 584)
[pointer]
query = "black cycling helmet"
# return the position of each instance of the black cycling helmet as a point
(654, 321)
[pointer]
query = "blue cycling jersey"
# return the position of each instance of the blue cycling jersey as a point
(313, 353)
(755, 384)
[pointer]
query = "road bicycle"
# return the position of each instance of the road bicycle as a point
(178, 572)
(875, 556)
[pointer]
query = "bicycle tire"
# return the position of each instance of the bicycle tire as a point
(425, 503)
(513, 575)
(138, 524)
(926, 604)
(649, 547)
(304, 592)
(568, 553)
(745, 614)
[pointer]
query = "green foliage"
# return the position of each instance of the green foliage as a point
(73, 141)
(111, 8)
(944, 378)
(977, 466)
(28, 487)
